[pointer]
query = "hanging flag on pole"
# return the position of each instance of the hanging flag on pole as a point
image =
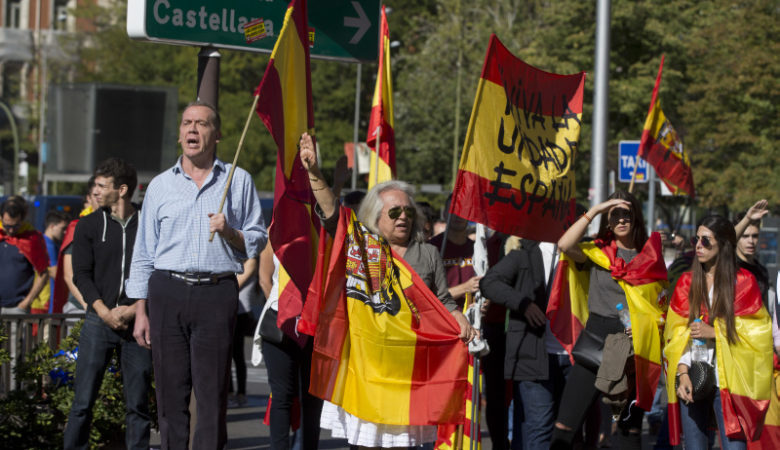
(663, 148)
(516, 170)
(381, 137)
(285, 106)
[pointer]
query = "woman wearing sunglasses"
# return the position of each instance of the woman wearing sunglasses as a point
(621, 269)
(720, 304)
(387, 211)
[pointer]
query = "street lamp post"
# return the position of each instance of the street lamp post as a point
(15, 134)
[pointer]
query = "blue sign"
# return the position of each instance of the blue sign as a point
(628, 161)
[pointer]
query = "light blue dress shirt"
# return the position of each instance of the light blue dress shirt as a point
(173, 229)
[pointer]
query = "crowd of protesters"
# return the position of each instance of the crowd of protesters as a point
(179, 308)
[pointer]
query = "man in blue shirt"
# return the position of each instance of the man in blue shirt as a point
(188, 283)
(56, 222)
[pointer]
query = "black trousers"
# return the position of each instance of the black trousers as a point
(580, 391)
(289, 371)
(191, 329)
(497, 411)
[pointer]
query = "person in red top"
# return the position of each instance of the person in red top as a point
(22, 256)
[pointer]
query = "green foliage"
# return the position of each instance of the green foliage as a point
(34, 415)
(719, 86)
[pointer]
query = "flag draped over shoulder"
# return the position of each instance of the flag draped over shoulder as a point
(516, 170)
(285, 106)
(30, 243)
(385, 349)
(744, 367)
(663, 148)
(643, 280)
(380, 126)
(61, 290)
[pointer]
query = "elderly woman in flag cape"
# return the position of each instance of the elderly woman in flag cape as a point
(622, 268)
(719, 303)
(389, 343)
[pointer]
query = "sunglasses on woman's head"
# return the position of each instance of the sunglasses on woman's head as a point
(395, 212)
(705, 241)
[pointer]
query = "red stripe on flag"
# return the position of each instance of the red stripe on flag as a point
(473, 203)
(564, 325)
(675, 423)
(749, 415)
(647, 375)
(528, 96)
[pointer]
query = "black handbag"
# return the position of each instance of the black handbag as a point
(269, 331)
(702, 377)
(588, 349)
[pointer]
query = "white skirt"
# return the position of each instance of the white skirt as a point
(368, 434)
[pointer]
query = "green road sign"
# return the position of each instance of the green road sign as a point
(346, 30)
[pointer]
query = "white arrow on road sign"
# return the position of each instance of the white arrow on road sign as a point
(361, 23)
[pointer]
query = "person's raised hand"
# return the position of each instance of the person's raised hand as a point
(307, 153)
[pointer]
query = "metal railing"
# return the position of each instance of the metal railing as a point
(50, 329)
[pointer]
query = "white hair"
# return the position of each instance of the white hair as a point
(372, 206)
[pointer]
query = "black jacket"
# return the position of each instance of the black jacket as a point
(102, 251)
(517, 280)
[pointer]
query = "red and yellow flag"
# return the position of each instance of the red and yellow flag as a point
(449, 437)
(643, 280)
(516, 170)
(385, 349)
(663, 148)
(770, 435)
(285, 106)
(744, 367)
(380, 126)
(30, 243)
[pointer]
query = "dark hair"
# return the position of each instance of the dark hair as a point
(121, 171)
(215, 119)
(428, 212)
(353, 199)
(738, 218)
(723, 281)
(15, 206)
(638, 232)
(54, 217)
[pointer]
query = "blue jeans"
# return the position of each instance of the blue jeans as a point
(695, 420)
(540, 400)
(96, 344)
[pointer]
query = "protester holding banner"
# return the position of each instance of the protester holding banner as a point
(622, 268)
(719, 303)
(378, 250)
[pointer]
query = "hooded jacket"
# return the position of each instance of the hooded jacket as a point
(102, 251)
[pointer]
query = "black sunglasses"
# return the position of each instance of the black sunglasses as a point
(705, 241)
(395, 212)
(620, 213)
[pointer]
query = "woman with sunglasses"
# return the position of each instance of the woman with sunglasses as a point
(621, 269)
(388, 210)
(719, 303)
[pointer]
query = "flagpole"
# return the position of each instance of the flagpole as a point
(633, 176)
(376, 152)
(235, 159)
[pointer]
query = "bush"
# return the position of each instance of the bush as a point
(34, 415)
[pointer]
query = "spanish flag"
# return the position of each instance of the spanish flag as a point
(744, 368)
(516, 170)
(449, 437)
(60, 288)
(380, 126)
(285, 106)
(770, 436)
(385, 349)
(643, 280)
(663, 148)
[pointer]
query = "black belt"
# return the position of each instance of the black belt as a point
(199, 278)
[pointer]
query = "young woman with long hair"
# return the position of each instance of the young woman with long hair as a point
(720, 304)
(622, 267)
